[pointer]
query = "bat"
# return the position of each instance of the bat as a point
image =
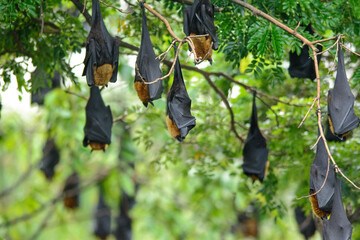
(71, 191)
(147, 68)
(123, 229)
(330, 136)
(306, 223)
(199, 20)
(341, 115)
(40, 75)
(302, 66)
(102, 52)
(338, 226)
(98, 122)
(102, 223)
(255, 152)
(179, 120)
(49, 159)
(323, 200)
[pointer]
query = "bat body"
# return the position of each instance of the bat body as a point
(302, 66)
(102, 52)
(330, 136)
(179, 120)
(147, 68)
(123, 229)
(255, 152)
(71, 191)
(338, 226)
(323, 200)
(199, 20)
(102, 223)
(341, 115)
(98, 122)
(50, 159)
(39, 75)
(306, 223)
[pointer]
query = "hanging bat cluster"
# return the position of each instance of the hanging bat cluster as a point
(302, 66)
(255, 152)
(71, 191)
(147, 68)
(98, 122)
(102, 52)
(49, 159)
(123, 229)
(179, 120)
(40, 75)
(102, 219)
(341, 116)
(199, 20)
(305, 223)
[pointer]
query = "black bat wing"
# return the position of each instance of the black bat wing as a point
(306, 223)
(148, 66)
(187, 20)
(50, 158)
(179, 104)
(123, 230)
(255, 152)
(207, 19)
(338, 226)
(317, 176)
(341, 101)
(98, 119)
(102, 224)
(330, 136)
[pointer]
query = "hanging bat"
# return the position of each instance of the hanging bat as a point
(147, 68)
(255, 153)
(49, 159)
(306, 223)
(338, 226)
(71, 191)
(179, 120)
(102, 223)
(40, 75)
(199, 20)
(330, 136)
(323, 200)
(302, 66)
(341, 116)
(102, 52)
(98, 122)
(123, 229)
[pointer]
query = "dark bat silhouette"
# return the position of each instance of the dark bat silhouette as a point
(341, 116)
(71, 191)
(50, 159)
(255, 152)
(306, 223)
(102, 223)
(147, 68)
(179, 120)
(199, 20)
(338, 226)
(123, 229)
(40, 75)
(302, 66)
(98, 122)
(102, 52)
(323, 200)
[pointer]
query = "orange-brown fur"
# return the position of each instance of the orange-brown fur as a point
(97, 146)
(254, 177)
(103, 74)
(250, 228)
(315, 207)
(70, 202)
(142, 91)
(332, 129)
(202, 46)
(172, 128)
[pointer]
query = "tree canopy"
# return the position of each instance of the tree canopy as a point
(190, 190)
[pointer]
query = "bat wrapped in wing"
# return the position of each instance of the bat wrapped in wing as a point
(102, 52)
(102, 219)
(306, 223)
(302, 66)
(147, 68)
(123, 230)
(323, 200)
(255, 152)
(98, 122)
(199, 20)
(40, 75)
(50, 159)
(71, 191)
(341, 115)
(338, 226)
(179, 120)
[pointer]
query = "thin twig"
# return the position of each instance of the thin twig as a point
(268, 106)
(75, 94)
(313, 146)
(312, 105)
(43, 224)
(84, 7)
(119, 9)
(162, 56)
(319, 53)
(349, 50)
